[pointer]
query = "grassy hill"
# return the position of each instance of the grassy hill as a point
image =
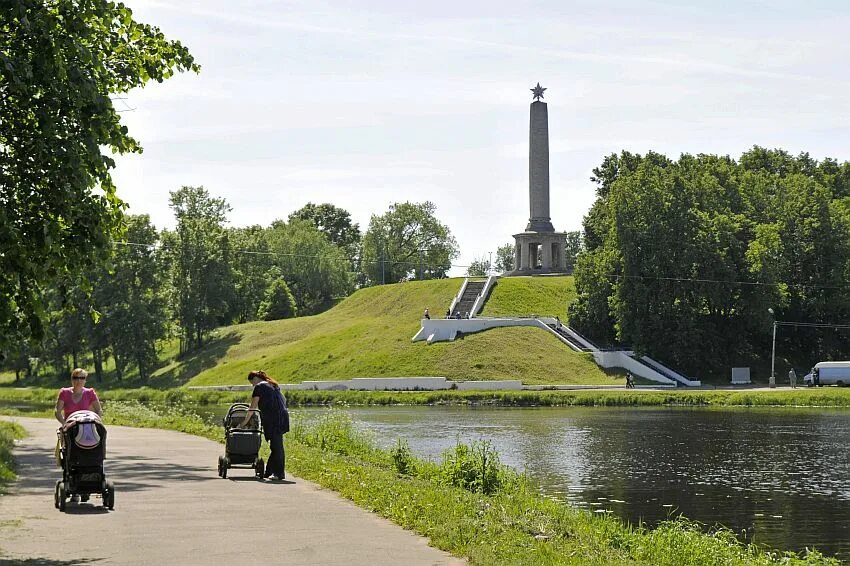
(522, 296)
(369, 335)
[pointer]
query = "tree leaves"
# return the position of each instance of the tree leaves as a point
(406, 240)
(685, 257)
(59, 63)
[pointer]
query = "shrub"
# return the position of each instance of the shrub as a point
(403, 459)
(474, 467)
(278, 302)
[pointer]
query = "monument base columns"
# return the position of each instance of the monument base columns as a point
(523, 255)
(549, 245)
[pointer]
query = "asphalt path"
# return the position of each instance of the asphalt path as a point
(172, 508)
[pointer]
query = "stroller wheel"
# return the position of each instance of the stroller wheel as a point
(61, 495)
(220, 465)
(260, 468)
(109, 495)
(56, 494)
(224, 467)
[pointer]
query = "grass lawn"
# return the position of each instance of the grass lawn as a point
(523, 296)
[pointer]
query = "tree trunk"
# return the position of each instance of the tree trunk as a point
(98, 364)
(140, 361)
(119, 366)
(74, 359)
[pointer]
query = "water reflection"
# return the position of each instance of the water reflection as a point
(780, 477)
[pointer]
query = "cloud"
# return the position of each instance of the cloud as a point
(685, 63)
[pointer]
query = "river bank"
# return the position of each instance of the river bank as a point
(468, 504)
(800, 397)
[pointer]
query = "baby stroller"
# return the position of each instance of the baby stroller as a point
(82, 449)
(241, 445)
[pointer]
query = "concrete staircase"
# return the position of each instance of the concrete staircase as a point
(467, 299)
(569, 338)
(622, 357)
(672, 374)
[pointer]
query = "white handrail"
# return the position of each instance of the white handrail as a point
(457, 298)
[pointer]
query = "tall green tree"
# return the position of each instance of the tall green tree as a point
(200, 255)
(64, 342)
(479, 267)
(334, 222)
(132, 300)
(406, 241)
(315, 270)
(60, 62)
(278, 302)
(505, 257)
(252, 260)
(573, 245)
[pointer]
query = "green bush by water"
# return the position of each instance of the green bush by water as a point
(403, 459)
(475, 467)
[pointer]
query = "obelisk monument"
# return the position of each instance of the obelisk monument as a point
(539, 249)
(538, 165)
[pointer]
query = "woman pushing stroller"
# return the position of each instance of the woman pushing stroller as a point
(267, 397)
(73, 399)
(81, 444)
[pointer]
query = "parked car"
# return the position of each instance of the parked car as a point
(828, 373)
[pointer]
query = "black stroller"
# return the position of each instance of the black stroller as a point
(241, 445)
(82, 449)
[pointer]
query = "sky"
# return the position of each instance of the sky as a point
(362, 104)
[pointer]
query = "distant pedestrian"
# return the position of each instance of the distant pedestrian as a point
(630, 380)
(557, 323)
(274, 415)
(427, 314)
(448, 313)
(792, 378)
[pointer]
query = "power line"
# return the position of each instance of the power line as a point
(308, 256)
(812, 324)
(725, 281)
(610, 275)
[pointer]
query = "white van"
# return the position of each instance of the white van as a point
(829, 373)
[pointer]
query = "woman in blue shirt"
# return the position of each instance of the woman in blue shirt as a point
(275, 418)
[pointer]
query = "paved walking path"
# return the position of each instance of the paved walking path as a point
(172, 508)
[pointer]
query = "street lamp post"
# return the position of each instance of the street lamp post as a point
(772, 381)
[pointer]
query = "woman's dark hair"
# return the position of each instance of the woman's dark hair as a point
(260, 374)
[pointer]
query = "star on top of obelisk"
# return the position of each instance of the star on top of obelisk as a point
(538, 92)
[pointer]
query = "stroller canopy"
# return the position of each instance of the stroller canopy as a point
(87, 435)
